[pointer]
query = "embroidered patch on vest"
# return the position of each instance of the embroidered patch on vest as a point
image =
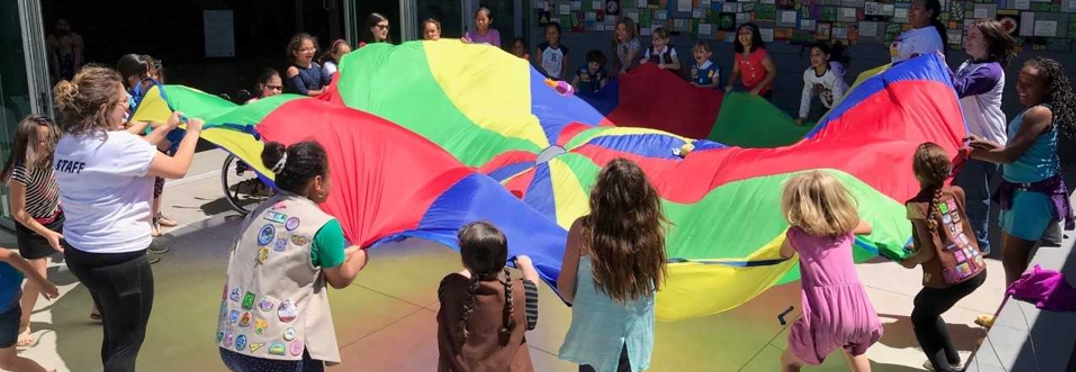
(244, 321)
(296, 348)
(220, 336)
(260, 326)
(248, 301)
(265, 235)
(266, 304)
(233, 317)
(299, 239)
(228, 339)
(943, 208)
(292, 224)
(281, 245)
(276, 217)
(277, 348)
(241, 342)
(254, 347)
(289, 334)
(236, 292)
(287, 311)
(263, 255)
(956, 217)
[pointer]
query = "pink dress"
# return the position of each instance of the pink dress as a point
(836, 311)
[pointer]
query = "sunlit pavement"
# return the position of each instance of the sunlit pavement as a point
(386, 319)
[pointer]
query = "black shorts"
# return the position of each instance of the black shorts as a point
(9, 326)
(33, 246)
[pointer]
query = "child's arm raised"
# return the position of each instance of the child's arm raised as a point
(47, 288)
(570, 263)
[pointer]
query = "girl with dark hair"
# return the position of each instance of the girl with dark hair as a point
(483, 318)
(926, 36)
(626, 46)
(330, 61)
(106, 189)
(275, 312)
(752, 63)
(269, 84)
(980, 83)
(483, 33)
(431, 30)
(824, 79)
(953, 267)
(34, 197)
(1032, 194)
(614, 264)
(519, 49)
(551, 57)
(305, 76)
(139, 72)
(377, 30)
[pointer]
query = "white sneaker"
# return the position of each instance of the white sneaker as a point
(930, 366)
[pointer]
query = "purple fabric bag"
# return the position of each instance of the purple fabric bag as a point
(1047, 289)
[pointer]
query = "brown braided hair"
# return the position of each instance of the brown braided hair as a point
(509, 321)
(484, 249)
(932, 167)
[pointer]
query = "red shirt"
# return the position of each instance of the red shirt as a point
(752, 72)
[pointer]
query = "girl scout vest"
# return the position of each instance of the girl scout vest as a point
(484, 349)
(957, 257)
(275, 304)
(665, 56)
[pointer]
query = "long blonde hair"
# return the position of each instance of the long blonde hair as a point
(819, 204)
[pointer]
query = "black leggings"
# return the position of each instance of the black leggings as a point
(624, 366)
(122, 288)
(930, 329)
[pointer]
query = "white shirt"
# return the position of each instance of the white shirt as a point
(664, 49)
(829, 88)
(553, 60)
(980, 87)
(916, 42)
(329, 67)
(105, 191)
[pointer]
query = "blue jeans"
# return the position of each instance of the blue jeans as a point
(975, 178)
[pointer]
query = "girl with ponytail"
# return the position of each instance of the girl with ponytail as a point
(483, 318)
(945, 245)
(926, 36)
(287, 251)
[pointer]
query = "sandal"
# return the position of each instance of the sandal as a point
(155, 226)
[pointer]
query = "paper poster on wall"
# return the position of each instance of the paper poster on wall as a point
(1010, 20)
(955, 37)
(822, 32)
(683, 6)
(697, 13)
(807, 24)
(787, 18)
(768, 1)
(541, 5)
(1027, 24)
(1022, 4)
(767, 34)
(900, 15)
(782, 33)
(839, 33)
(591, 16)
(868, 29)
(219, 33)
(980, 11)
(564, 9)
(706, 29)
(731, 7)
(1069, 6)
(634, 15)
(726, 21)
(661, 15)
(1046, 28)
(847, 15)
(743, 18)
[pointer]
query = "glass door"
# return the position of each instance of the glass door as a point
(24, 87)
(448, 12)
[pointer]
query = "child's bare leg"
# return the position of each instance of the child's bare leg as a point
(858, 363)
(789, 362)
(10, 361)
(30, 293)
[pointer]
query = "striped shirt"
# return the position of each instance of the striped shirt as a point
(42, 191)
(530, 292)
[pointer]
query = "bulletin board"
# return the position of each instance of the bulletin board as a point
(1036, 24)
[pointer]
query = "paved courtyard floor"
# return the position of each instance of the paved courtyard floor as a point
(385, 321)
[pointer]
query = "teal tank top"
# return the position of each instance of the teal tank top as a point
(601, 327)
(1039, 162)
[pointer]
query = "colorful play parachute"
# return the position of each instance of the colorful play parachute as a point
(426, 136)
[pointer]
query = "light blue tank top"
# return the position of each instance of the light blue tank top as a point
(1039, 162)
(601, 327)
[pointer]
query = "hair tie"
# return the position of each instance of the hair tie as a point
(279, 167)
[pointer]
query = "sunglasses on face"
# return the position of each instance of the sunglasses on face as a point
(274, 87)
(382, 27)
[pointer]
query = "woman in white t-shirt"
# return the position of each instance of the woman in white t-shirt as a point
(926, 36)
(106, 176)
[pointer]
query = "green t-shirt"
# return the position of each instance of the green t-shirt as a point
(327, 250)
